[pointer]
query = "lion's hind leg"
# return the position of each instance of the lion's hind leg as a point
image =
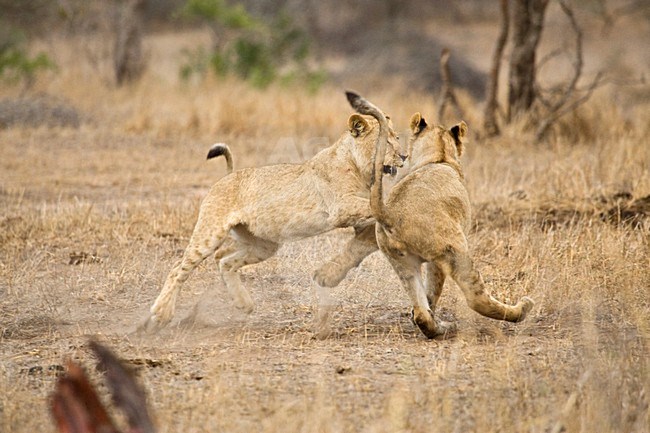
(408, 268)
(473, 287)
(245, 249)
(435, 281)
(203, 243)
(334, 271)
(358, 248)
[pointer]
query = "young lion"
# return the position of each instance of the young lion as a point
(424, 220)
(259, 208)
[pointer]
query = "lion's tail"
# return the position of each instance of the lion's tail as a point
(361, 105)
(219, 149)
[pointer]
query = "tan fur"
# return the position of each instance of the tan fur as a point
(423, 223)
(257, 209)
(356, 249)
(426, 217)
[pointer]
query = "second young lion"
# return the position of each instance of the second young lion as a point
(257, 209)
(423, 223)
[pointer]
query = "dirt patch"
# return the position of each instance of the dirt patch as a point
(40, 110)
(619, 209)
(628, 211)
(27, 328)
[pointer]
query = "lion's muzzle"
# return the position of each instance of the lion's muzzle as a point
(390, 169)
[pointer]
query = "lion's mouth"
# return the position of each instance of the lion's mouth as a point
(390, 169)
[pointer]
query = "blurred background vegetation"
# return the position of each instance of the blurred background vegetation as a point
(254, 49)
(263, 41)
(361, 44)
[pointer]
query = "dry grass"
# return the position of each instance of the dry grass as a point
(118, 196)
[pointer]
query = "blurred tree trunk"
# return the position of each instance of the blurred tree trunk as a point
(129, 62)
(527, 25)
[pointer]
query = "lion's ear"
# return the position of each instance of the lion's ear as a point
(417, 123)
(358, 125)
(458, 132)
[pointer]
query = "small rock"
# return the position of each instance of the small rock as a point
(342, 369)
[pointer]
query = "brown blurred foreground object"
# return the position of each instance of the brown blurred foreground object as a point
(76, 407)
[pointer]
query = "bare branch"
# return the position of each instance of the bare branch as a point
(546, 123)
(610, 17)
(578, 62)
(489, 117)
(550, 56)
(566, 102)
(448, 94)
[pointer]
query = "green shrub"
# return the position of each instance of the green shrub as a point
(257, 51)
(217, 11)
(15, 64)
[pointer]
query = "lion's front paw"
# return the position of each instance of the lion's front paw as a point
(329, 275)
(161, 314)
(151, 325)
(244, 302)
(525, 304)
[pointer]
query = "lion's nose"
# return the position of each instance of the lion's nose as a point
(403, 157)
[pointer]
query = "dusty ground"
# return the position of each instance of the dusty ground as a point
(93, 217)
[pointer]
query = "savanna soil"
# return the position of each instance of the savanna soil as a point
(92, 217)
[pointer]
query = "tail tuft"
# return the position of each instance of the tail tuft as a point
(219, 149)
(353, 98)
(361, 105)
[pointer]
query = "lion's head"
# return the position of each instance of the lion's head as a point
(365, 130)
(435, 143)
